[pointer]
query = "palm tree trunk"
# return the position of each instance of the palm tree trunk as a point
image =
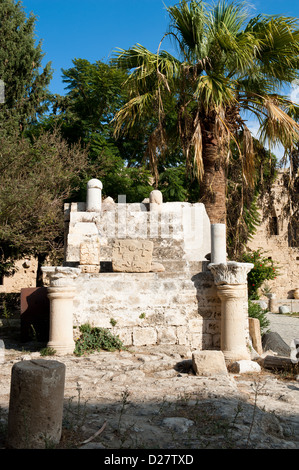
(213, 186)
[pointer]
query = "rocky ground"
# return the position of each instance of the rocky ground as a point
(149, 398)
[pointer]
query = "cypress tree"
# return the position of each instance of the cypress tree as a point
(21, 70)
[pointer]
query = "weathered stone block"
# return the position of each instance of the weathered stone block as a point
(132, 256)
(182, 334)
(208, 363)
(196, 340)
(125, 335)
(90, 253)
(195, 325)
(167, 335)
(144, 336)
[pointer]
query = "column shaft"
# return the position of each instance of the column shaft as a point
(233, 340)
(61, 319)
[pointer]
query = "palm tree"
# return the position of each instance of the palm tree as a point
(226, 65)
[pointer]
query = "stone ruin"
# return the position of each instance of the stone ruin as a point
(151, 272)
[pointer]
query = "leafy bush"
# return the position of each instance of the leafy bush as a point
(256, 311)
(264, 269)
(9, 301)
(47, 351)
(94, 339)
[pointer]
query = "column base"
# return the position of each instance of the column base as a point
(61, 349)
(233, 356)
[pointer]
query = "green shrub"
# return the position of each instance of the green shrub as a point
(47, 352)
(264, 270)
(95, 339)
(256, 311)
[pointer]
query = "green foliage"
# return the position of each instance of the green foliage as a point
(134, 183)
(256, 311)
(264, 270)
(172, 184)
(85, 116)
(21, 70)
(36, 178)
(243, 201)
(47, 352)
(95, 339)
(9, 302)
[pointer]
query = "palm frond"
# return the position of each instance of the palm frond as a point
(188, 21)
(196, 142)
(213, 91)
(278, 126)
(127, 116)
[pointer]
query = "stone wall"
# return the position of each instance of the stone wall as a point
(151, 308)
(25, 276)
(272, 237)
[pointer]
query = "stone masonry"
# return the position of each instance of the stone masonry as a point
(272, 237)
(175, 303)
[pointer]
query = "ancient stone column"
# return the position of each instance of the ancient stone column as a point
(36, 404)
(218, 243)
(94, 196)
(231, 281)
(61, 294)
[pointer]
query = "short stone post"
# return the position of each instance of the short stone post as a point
(36, 404)
(218, 243)
(61, 293)
(231, 281)
(272, 303)
(94, 196)
(156, 200)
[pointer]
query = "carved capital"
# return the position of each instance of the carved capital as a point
(60, 276)
(231, 273)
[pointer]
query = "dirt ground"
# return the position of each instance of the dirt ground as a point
(150, 398)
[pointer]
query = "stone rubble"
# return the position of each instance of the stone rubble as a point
(150, 398)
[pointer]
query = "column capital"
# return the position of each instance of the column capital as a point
(230, 273)
(61, 276)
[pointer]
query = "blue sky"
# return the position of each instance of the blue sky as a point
(93, 29)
